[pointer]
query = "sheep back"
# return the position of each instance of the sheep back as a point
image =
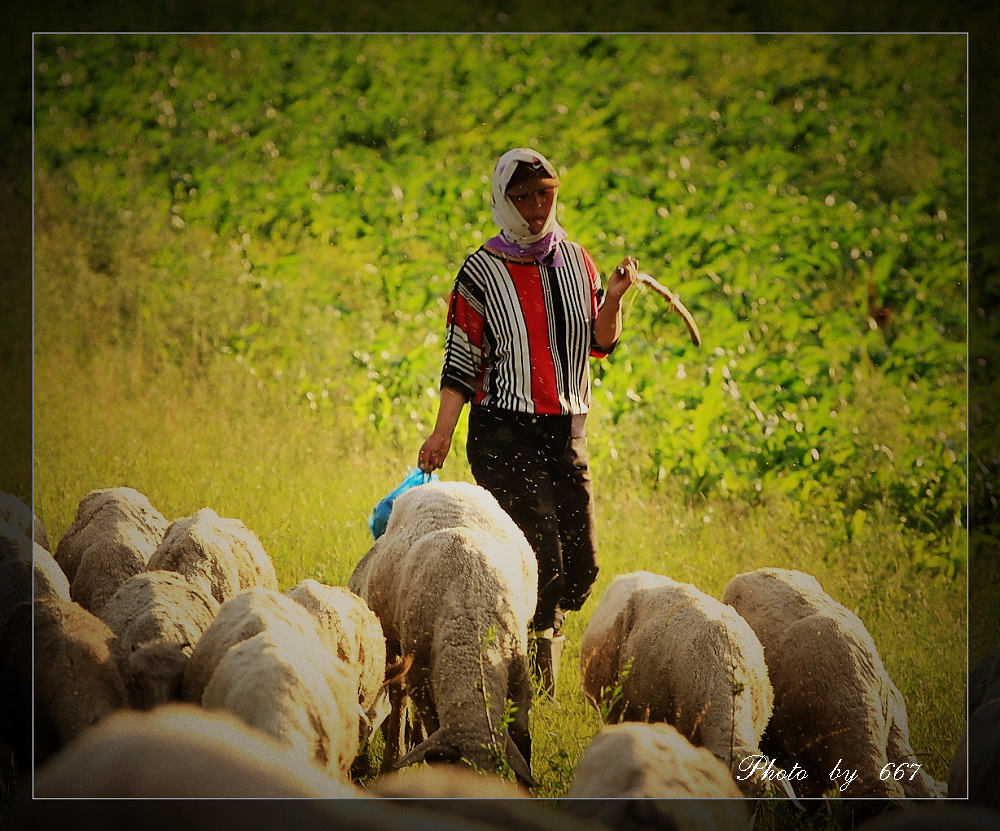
(642, 760)
(634, 777)
(682, 657)
(97, 515)
(15, 512)
(239, 618)
(33, 572)
(283, 684)
(50, 581)
(438, 505)
(112, 537)
(602, 638)
(353, 632)
(447, 782)
(157, 617)
(218, 553)
(180, 750)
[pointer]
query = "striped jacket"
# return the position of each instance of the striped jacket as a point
(519, 334)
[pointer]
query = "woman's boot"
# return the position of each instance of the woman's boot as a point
(547, 654)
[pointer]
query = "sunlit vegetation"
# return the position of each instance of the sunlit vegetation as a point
(244, 246)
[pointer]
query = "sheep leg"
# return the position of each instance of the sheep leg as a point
(392, 727)
(423, 713)
(520, 691)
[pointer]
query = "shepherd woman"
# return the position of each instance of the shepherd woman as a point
(526, 313)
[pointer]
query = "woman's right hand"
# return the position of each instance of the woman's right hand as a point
(433, 452)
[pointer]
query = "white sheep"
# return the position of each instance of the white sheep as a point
(112, 537)
(181, 750)
(289, 685)
(76, 680)
(219, 553)
(657, 650)
(834, 703)
(454, 583)
(646, 776)
(145, 769)
(157, 617)
(242, 616)
(221, 667)
(354, 633)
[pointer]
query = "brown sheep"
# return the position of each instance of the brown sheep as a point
(158, 617)
(76, 678)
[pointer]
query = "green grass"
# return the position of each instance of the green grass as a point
(305, 487)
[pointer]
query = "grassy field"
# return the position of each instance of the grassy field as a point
(244, 245)
(306, 491)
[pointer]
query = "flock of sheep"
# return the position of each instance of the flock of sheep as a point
(169, 664)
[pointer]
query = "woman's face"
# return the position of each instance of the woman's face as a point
(534, 206)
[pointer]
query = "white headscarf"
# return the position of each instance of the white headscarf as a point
(514, 227)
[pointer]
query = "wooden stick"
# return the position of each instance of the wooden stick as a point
(674, 301)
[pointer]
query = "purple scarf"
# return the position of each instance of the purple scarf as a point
(544, 251)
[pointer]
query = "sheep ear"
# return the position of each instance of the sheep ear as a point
(432, 749)
(397, 670)
(518, 764)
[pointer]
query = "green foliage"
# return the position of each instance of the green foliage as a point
(328, 186)
(244, 246)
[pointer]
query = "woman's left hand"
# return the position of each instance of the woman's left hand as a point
(624, 276)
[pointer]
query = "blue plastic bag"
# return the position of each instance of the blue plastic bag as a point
(380, 513)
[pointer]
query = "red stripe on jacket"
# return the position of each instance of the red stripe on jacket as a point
(528, 285)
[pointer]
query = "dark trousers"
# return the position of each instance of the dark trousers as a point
(538, 470)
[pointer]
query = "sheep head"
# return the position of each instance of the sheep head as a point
(155, 673)
(440, 748)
